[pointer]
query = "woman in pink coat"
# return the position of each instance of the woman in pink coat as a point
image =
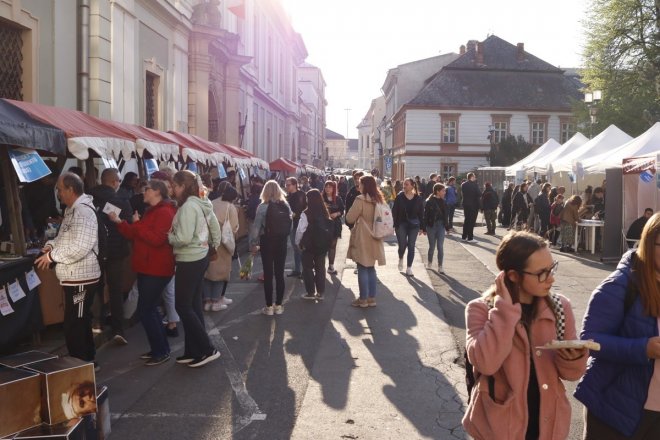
(518, 394)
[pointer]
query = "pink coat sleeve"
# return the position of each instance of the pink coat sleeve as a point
(489, 333)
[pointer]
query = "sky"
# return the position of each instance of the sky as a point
(355, 42)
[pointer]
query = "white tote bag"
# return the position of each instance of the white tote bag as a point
(227, 237)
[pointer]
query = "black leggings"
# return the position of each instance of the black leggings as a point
(332, 252)
(273, 257)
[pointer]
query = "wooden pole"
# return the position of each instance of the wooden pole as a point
(13, 203)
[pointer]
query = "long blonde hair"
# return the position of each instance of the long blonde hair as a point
(644, 267)
(272, 192)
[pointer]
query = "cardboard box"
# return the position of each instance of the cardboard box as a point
(76, 429)
(25, 358)
(20, 400)
(68, 388)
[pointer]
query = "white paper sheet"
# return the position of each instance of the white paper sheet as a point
(32, 279)
(109, 207)
(5, 307)
(16, 291)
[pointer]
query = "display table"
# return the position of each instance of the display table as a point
(26, 318)
(591, 237)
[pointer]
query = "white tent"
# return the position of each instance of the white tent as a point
(610, 138)
(543, 165)
(644, 144)
(550, 146)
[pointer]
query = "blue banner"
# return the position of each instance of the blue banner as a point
(151, 166)
(191, 166)
(222, 173)
(28, 164)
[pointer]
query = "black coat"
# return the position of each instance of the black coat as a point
(520, 206)
(435, 210)
(489, 200)
(117, 245)
(399, 213)
(471, 194)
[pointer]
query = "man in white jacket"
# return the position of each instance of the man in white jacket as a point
(74, 252)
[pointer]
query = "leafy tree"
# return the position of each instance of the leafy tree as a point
(622, 58)
(509, 151)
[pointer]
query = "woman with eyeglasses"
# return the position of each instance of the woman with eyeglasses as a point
(518, 393)
(621, 388)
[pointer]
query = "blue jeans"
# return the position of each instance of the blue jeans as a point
(213, 290)
(366, 281)
(452, 209)
(297, 254)
(149, 289)
(406, 235)
(436, 235)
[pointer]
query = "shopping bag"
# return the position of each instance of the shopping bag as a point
(130, 304)
(227, 235)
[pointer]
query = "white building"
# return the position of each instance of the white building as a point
(312, 96)
(491, 85)
(369, 136)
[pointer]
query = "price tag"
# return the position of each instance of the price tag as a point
(16, 291)
(32, 279)
(5, 307)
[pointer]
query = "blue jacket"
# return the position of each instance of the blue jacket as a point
(451, 197)
(615, 386)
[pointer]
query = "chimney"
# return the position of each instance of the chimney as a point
(480, 53)
(462, 49)
(471, 45)
(520, 56)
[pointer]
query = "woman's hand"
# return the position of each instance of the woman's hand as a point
(501, 289)
(113, 217)
(653, 348)
(571, 354)
(254, 250)
(136, 217)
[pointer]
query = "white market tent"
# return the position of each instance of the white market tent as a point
(644, 144)
(610, 138)
(543, 165)
(550, 146)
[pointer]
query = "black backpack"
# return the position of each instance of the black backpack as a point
(323, 232)
(278, 220)
(560, 324)
(102, 233)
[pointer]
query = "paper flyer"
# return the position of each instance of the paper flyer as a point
(16, 291)
(109, 207)
(32, 279)
(5, 307)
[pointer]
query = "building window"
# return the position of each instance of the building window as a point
(448, 169)
(449, 125)
(501, 131)
(567, 131)
(256, 42)
(270, 61)
(11, 63)
(449, 134)
(538, 133)
(151, 100)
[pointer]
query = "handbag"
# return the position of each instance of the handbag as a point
(213, 252)
(227, 235)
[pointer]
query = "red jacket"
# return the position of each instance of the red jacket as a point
(152, 253)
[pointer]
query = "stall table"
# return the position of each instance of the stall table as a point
(591, 224)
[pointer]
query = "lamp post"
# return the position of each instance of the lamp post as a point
(592, 99)
(491, 138)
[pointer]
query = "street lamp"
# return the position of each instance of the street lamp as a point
(592, 99)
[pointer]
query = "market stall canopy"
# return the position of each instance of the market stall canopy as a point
(610, 138)
(543, 165)
(157, 143)
(544, 149)
(18, 129)
(643, 145)
(199, 149)
(83, 131)
(284, 165)
(243, 157)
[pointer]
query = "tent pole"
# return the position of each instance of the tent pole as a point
(13, 204)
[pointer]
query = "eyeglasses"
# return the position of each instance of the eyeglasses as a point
(545, 273)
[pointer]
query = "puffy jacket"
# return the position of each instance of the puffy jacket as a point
(152, 253)
(76, 246)
(190, 235)
(451, 197)
(615, 386)
(498, 345)
(117, 245)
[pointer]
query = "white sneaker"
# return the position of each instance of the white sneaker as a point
(207, 306)
(400, 264)
(429, 264)
(472, 240)
(268, 310)
(279, 309)
(217, 306)
(226, 301)
(440, 270)
(409, 272)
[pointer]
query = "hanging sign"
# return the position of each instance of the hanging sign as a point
(110, 163)
(5, 307)
(191, 166)
(32, 279)
(646, 176)
(222, 173)
(241, 173)
(151, 166)
(28, 164)
(16, 291)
